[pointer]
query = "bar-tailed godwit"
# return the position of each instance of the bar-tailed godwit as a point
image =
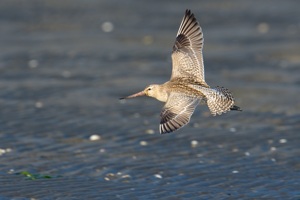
(187, 86)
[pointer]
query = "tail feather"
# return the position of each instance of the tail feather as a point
(220, 100)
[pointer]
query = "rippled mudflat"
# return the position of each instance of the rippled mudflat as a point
(65, 135)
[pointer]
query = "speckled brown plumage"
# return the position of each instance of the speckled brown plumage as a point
(187, 86)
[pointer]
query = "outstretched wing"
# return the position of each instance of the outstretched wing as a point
(177, 112)
(187, 51)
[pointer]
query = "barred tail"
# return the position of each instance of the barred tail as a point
(220, 100)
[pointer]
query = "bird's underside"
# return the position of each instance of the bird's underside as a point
(183, 100)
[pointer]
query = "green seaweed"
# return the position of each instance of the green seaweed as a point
(34, 176)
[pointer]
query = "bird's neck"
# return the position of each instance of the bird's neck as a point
(161, 93)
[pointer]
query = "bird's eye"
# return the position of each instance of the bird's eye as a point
(149, 89)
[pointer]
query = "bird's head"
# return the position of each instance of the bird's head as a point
(151, 91)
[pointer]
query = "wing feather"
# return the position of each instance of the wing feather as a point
(187, 56)
(177, 112)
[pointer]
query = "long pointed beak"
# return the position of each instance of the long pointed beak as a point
(142, 93)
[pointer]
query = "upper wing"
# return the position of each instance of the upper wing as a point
(177, 112)
(187, 51)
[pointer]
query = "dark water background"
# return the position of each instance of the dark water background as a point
(63, 68)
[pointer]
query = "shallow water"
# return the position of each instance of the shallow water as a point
(62, 74)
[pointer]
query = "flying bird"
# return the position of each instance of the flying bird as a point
(187, 87)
